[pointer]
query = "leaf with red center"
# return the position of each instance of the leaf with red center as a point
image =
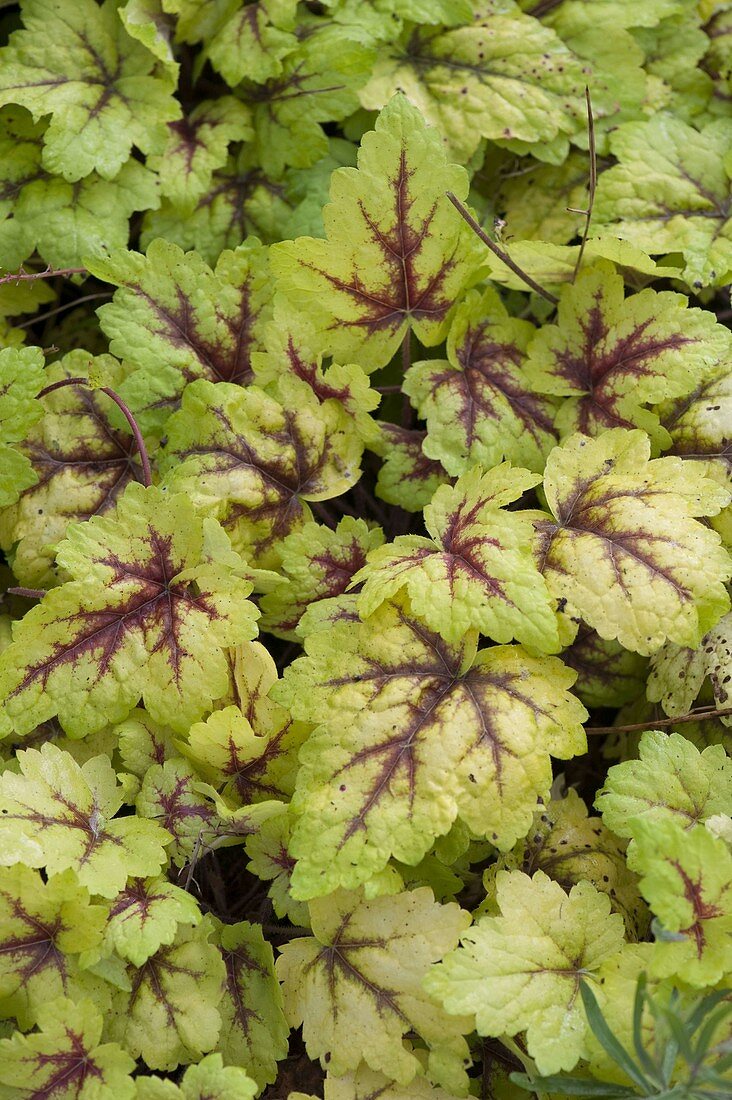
(21, 379)
(317, 563)
(607, 674)
(397, 255)
(477, 570)
(407, 477)
(294, 352)
(624, 551)
(356, 984)
(478, 404)
(170, 1015)
(254, 1031)
(416, 734)
(686, 878)
(145, 916)
(611, 356)
(176, 319)
(700, 422)
(44, 927)
(83, 456)
(153, 601)
(270, 861)
(64, 1060)
(60, 815)
(249, 767)
(254, 461)
(192, 813)
(198, 145)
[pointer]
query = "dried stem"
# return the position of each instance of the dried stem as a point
(126, 412)
(27, 593)
(498, 251)
(656, 723)
(592, 186)
(64, 307)
(22, 275)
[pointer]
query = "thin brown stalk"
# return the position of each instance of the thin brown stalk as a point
(657, 723)
(592, 185)
(498, 251)
(22, 275)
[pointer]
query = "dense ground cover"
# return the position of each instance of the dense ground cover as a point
(365, 646)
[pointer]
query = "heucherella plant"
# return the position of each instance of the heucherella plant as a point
(366, 522)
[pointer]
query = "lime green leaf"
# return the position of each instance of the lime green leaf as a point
(79, 65)
(64, 221)
(502, 76)
(418, 733)
(210, 1079)
(141, 742)
(674, 49)
(621, 13)
(477, 569)
(242, 41)
(148, 22)
(253, 1029)
(521, 971)
(254, 674)
(356, 985)
(670, 192)
(44, 927)
(478, 405)
(610, 355)
(249, 766)
(65, 1056)
(624, 552)
(254, 461)
(671, 781)
(21, 379)
(687, 881)
(678, 674)
(607, 674)
(170, 1016)
(570, 848)
(177, 320)
(365, 1083)
(533, 202)
(294, 353)
(407, 478)
(59, 815)
(318, 83)
(147, 613)
(317, 563)
(551, 265)
(198, 145)
(145, 916)
(82, 459)
(396, 252)
(271, 862)
(698, 422)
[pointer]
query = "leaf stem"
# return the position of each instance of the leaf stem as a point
(62, 308)
(21, 275)
(407, 412)
(126, 412)
(656, 723)
(497, 251)
(27, 593)
(592, 183)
